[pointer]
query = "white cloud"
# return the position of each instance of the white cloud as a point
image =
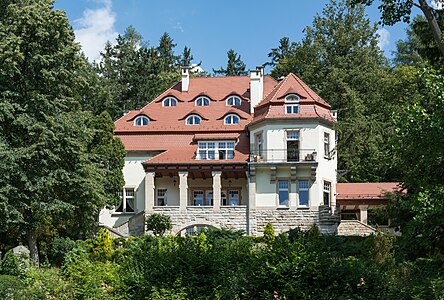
(178, 27)
(95, 28)
(383, 38)
(437, 4)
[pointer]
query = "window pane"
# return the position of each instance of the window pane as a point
(230, 145)
(221, 145)
(233, 198)
(326, 198)
(209, 198)
(202, 154)
(292, 135)
(198, 198)
(130, 205)
(303, 184)
(211, 145)
(222, 154)
(303, 197)
(230, 154)
(202, 145)
(283, 198)
(283, 185)
(211, 154)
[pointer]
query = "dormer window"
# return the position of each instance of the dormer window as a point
(141, 121)
(215, 150)
(193, 120)
(233, 101)
(292, 98)
(232, 119)
(292, 108)
(169, 101)
(202, 101)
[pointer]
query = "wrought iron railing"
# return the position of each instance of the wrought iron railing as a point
(284, 155)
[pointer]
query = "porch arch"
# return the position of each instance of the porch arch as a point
(194, 226)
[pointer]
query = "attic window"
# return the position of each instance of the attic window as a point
(141, 121)
(233, 101)
(202, 101)
(292, 98)
(169, 101)
(232, 119)
(193, 120)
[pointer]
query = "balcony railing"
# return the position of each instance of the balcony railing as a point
(284, 155)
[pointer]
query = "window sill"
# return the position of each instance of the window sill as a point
(303, 207)
(115, 214)
(283, 207)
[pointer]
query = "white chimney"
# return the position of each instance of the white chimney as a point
(256, 87)
(185, 78)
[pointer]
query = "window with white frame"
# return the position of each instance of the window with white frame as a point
(233, 101)
(232, 119)
(169, 101)
(230, 197)
(258, 144)
(141, 121)
(127, 203)
(327, 192)
(303, 192)
(215, 150)
(283, 192)
(202, 101)
(202, 198)
(193, 120)
(162, 199)
(326, 144)
(293, 145)
(292, 104)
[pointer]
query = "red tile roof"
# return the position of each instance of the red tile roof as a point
(374, 190)
(167, 130)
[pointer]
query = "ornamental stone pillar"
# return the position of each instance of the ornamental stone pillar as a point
(149, 191)
(363, 213)
(183, 191)
(217, 186)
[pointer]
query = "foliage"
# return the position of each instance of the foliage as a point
(400, 10)
(103, 245)
(268, 233)
(11, 287)
(235, 66)
(14, 265)
(420, 214)
(381, 247)
(158, 224)
(58, 161)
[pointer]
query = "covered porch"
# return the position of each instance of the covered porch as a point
(202, 186)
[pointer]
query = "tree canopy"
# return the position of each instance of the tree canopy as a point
(61, 164)
(235, 66)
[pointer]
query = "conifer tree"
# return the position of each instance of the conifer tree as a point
(235, 66)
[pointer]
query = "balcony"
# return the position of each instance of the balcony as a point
(284, 156)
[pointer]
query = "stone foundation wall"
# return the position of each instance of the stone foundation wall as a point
(235, 217)
(230, 217)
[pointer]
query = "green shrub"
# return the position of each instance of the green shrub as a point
(11, 287)
(47, 284)
(103, 245)
(268, 233)
(14, 265)
(59, 247)
(159, 224)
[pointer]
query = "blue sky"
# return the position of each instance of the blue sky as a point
(210, 28)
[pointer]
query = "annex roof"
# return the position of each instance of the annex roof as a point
(369, 190)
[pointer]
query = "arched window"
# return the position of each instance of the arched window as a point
(232, 119)
(292, 104)
(233, 101)
(202, 101)
(292, 98)
(193, 120)
(141, 121)
(169, 101)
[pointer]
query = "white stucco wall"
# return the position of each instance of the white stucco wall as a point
(134, 176)
(311, 139)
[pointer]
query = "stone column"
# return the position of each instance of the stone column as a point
(183, 191)
(251, 204)
(363, 213)
(217, 186)
(149, 191)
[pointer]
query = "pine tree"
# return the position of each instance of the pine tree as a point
(235, 66)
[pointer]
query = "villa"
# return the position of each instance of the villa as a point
(232, 152)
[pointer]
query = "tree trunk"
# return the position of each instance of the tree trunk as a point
(33, 249)
(434, 26)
